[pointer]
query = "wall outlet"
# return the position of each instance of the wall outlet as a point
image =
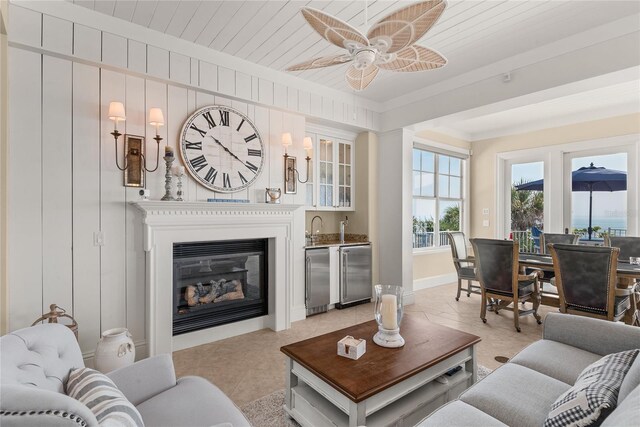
(98, 238)
(485, 211)
(485, 222)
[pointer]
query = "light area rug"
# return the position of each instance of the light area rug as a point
(268, 412)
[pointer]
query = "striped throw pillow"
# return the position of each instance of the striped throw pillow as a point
(96, 391)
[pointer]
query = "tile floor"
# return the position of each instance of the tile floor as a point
(251, 366)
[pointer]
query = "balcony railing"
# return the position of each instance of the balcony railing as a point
(425, 239)
(528, 243)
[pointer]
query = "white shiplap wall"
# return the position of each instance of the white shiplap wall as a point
(82, 34)
(63, 182)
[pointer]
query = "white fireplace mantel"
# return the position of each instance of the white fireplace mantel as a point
(166, 223)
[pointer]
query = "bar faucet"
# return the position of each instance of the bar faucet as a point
(314, 234)
(343, 224)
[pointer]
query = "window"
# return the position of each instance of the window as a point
(437, 197)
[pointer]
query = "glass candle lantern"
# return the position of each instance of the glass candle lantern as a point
(388, 314)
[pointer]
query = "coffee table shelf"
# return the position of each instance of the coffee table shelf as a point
(314, 410)
(384, 387)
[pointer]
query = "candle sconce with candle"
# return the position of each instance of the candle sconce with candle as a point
(388, 315)
(135, 162)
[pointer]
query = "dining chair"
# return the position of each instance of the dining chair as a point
(629, 247)
(500, 283)
(567, 239)
(464, 263)
(547, 276)
(586, 281)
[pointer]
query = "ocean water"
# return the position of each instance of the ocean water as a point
(604, 222)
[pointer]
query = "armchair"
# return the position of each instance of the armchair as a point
(586, 281)
(629, 247)
(500, 281)
(35, 366)
(464, 263)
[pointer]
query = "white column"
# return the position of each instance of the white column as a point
(395, 210)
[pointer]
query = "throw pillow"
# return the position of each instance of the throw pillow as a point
(594, 394)
(96, 391)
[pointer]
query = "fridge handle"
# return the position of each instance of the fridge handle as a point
(307, 280)
(345, 254)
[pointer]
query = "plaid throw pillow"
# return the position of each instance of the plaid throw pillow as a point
(594, 394)
(96, 391)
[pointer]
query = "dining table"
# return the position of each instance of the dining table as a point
(625, 271)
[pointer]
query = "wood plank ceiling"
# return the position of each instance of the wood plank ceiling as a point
(470, 34)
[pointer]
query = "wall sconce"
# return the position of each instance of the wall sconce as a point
(135, 162)
(291, 174)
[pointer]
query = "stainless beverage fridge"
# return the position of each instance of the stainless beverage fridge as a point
(317, 280)
(355, 275)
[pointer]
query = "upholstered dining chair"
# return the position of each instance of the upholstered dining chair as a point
(586, 281)
(629, 247)
(500, 283)
(464, 263)
(547, 276)
(567, 239)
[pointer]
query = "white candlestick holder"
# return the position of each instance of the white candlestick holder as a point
(390, 338)
(388, 315)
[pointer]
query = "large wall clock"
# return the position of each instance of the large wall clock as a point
(222, 149)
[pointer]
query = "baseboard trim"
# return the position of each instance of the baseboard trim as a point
(299, 312)
(408, 298)
(433, 281)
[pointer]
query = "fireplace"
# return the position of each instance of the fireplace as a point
(167, 224)
(219, 282)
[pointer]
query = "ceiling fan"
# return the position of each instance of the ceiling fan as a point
(389, 43)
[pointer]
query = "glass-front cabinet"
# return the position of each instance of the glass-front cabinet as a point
(333, 186)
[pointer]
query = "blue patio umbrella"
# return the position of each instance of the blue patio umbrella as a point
(587, 178)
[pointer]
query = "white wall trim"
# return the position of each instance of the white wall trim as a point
(298, 312)
(409, 297)
(331, 131)
(427, 143)
(433, 281)
(513, 64)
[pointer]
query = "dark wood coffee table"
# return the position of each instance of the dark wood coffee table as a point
(385, 385)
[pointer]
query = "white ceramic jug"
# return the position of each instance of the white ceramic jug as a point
(115, 350)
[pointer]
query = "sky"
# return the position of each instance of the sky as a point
(609, 209)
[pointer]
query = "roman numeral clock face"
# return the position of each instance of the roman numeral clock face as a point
(222, 149)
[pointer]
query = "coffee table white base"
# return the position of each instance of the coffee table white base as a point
(314, 403)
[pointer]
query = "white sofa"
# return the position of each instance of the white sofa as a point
(521, 392)
(34, 366)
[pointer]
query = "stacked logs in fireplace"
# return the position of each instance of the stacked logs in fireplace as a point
(217, 283)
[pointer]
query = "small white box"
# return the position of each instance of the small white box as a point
(351, 347)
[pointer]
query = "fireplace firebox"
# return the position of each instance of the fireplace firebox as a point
(218, 282)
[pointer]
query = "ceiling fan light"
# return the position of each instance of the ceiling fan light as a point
(364, 58)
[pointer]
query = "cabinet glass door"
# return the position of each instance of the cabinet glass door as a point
(325, 166)
(344, 174)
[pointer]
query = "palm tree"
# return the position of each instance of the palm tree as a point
(527, 208)
(450, 221)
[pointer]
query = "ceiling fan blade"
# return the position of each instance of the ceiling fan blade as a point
(404, 27)
(333, 29)
(415, 58)
(325, 61)
(360, 79)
